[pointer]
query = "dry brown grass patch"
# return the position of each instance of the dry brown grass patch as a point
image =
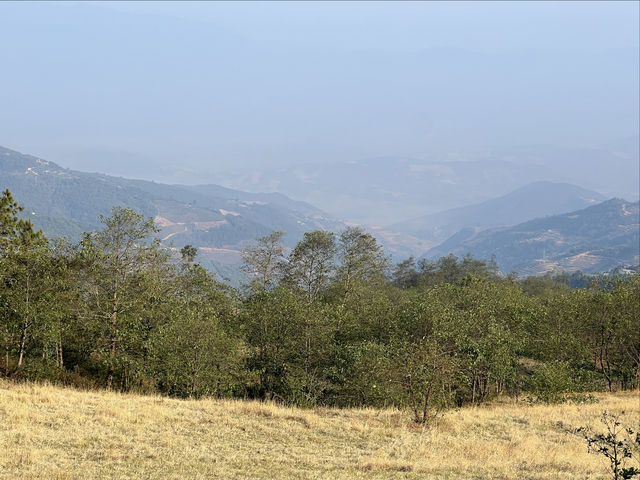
(49, 432)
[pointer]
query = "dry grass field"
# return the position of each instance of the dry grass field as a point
(54, 433)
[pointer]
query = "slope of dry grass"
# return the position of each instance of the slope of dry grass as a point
(55, 433)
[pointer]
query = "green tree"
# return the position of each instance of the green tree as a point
(405, 274)
(361, 261)
(25, 279)
(194, 351)
(124, 269)
(425, 370)
(290, 343)
(311, 264)
(188, 253)
(264, 261)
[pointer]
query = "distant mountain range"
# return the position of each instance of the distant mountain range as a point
(390, 190)
(595, 239)
(537, 199)
(221, 221)
(382, 191)
(217, 220)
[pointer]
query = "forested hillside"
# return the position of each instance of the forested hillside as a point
(330, 323)
(218, 220)
(594, 239)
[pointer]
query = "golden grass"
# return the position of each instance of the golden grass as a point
(55, 433)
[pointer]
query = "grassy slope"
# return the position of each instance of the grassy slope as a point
(55, 433)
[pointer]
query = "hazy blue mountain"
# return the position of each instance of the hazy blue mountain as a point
(531, 201)
(595, 239)
(391, 190)
(382, 191)
(612, 168)
(220, 221)
(274, 198)
(217, 220)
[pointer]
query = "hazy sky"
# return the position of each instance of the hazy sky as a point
(122, 87)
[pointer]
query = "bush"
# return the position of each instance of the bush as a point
(617, 444)
(551, 382)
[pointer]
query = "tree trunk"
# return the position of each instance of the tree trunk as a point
(473, 390)
(112, 351)
(60, 355)
(25, 326)
(23, 341)
(425, 410)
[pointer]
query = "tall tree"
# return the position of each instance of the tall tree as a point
(263, 262)
(361, 259)
(195, 350)
(25, 278)
(311, 264)
(404, 274)
(124, 269)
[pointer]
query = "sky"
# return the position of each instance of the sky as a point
(137, 89)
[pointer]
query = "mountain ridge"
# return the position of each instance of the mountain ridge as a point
(597, 238)
(530, 201)
(218, 221)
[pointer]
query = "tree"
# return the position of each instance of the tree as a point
(488, 328)
(405, 274)
(263, 262)
(289, 343)
(604, 324)
(194, 351)
(188, 253)
(25, 278)
(15, 232)
(627, 336)
(452, 270)
(311, 263)
(426, 370)
(617, 445)
(361, 260)
(123, 271)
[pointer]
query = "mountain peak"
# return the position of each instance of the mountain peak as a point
(537, 199)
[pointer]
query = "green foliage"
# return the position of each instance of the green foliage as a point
(124, 273)
(311, 265)
(192, 351)
(188, 253)
(551, 382)
(426, 371)
(290, 346)
(323, 325)
(363, 374)
(264, 261)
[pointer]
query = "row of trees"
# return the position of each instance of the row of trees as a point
(330, 322)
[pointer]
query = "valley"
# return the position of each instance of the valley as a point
(220, 222)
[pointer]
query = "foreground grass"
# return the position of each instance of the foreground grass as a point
(55, 433)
